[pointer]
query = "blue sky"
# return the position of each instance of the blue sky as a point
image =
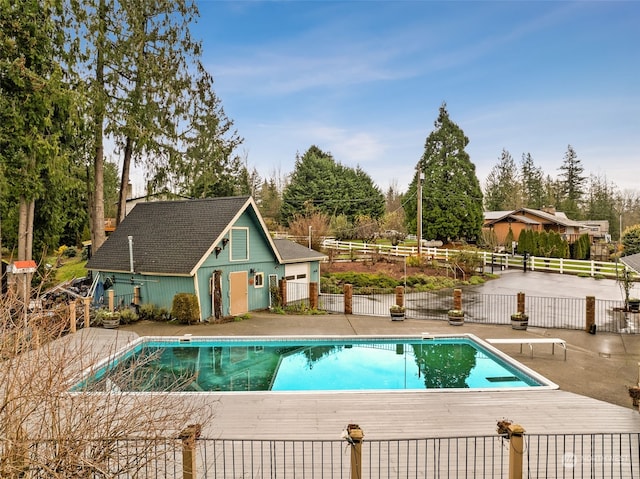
(364, 80)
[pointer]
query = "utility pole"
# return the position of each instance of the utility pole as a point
(419, 195)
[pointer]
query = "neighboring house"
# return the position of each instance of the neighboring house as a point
(598, 230)
(216, 248)
(529, 219)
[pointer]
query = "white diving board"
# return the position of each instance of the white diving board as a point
(531, 341)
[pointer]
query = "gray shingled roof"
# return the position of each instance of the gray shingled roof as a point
(169, 237)
(632, 261)
(292, 252)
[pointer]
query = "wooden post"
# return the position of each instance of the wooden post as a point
(355, 436)
(348, 298)
(400, 295)
(283, 292)
(457, 299)
(313, 295)
(112, 296)
(87, 307)
(516, 450)
(72, 316)
(521, 301)
(590, 322)
(188, 437)
(136, 295)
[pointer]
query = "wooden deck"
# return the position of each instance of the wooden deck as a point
(398, 415)
(393, 415)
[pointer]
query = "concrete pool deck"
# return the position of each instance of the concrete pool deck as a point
(592, 398)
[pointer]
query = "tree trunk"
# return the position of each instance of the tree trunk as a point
(98, 235)
(124, 181)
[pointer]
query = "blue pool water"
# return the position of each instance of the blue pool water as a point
(227, 364)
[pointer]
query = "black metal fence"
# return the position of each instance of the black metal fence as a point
(543, 312)
(607, 455)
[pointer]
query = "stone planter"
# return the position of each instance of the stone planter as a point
(519, 321)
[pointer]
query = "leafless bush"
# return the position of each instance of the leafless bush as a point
(48, 431)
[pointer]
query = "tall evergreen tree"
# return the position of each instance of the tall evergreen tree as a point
(34, 113)
(452, 198)
(571, 181)
(331, 188)
(532, 183)
(502, 189)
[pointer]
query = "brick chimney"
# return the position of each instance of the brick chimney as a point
(549, 209)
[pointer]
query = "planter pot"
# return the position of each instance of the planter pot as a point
(634, 305)
(456, 320)
(397, 315)
(519, 322)
(111, 323)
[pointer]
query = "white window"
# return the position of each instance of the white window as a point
(258, 280)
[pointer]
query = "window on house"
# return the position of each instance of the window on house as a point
(258, 280)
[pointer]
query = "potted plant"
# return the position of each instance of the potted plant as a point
(397, 312)
(456, 317)
(519, 321)
(634, 305)
(108, 319)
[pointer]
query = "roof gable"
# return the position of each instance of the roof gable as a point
(170, 237)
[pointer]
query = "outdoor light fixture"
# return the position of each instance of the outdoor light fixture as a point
(225, 241)
(217, 249)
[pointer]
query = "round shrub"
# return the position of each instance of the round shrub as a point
(185, 308)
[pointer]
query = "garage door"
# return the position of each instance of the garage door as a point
(297, 276)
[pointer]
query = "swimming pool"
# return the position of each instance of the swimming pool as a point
(232, 364)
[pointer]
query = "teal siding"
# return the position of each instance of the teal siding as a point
(261, 259)
(157, 290)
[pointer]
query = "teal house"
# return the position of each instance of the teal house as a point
(216, 248)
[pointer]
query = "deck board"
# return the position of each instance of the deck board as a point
(394, 415)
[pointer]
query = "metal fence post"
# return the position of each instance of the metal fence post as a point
(590, 325)
(188, 437)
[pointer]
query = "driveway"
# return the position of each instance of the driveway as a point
(535, 283)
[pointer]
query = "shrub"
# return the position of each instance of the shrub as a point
(128, 315)
(185, 308)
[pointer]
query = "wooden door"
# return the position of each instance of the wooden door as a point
(239, 293)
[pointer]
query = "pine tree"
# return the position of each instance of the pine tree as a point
(452, 198)
(502, 188)
(532, 183)
(571, 183)
(331, 188)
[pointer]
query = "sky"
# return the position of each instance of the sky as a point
(363, 80)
